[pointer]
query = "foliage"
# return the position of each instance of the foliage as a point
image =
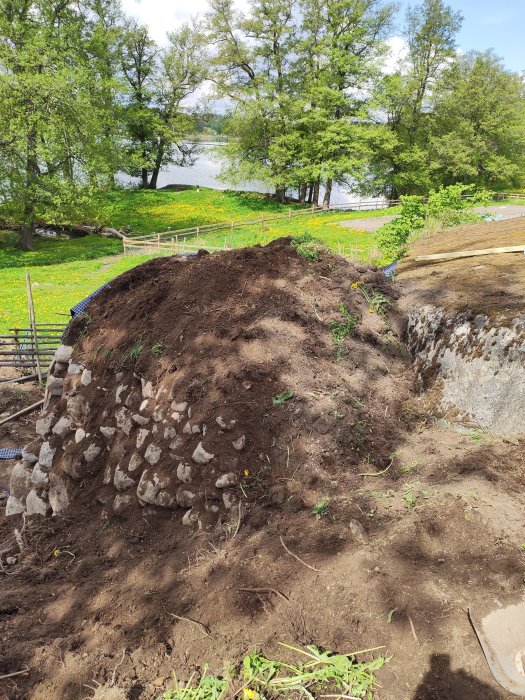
(321, 508)
(266, 679)
(448, 206)
(282, 398)
(308, 247)
(376, 300)
(340, 329)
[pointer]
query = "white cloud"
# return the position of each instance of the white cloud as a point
(398, 51)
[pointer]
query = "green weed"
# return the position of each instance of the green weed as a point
(340, 329)
(308, 247)
(376, 300)
(135, 351)
(158, 349)
(321, 508)
(280, 399)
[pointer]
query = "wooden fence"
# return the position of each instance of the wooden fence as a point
(26, 348)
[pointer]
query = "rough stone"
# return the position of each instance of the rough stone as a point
(177, 417)
(58, 496)
(78, 408)
(44, 424)
(80, 434)
(229, 498)
(121, 480)
(134, 462)
(158, 415)
(170, 433)
(74, 369)
(141, 437)
(200, 456)
(29, 452)
(107, 432)
(38, 476)
(150, 485)
(179, 407)
(187, 428)
(189, 518)
(184, 472)
(20, 482)
(225, 425)
(358, 531)
(62, 427)
(123, 419)
(46, 455)
(133, 399)
(227, 480)
(118, 392)
(152, 454)
(91, 453)
(85, 379)
(165, 500)
(239, 443)
(35, 504)
(143, 406)
(195, 429)
(176, 443)
(185, 498)
(147, 389)
(140, 420)
(122, 504)
(63, 353)
(73, 466)
(14, 506)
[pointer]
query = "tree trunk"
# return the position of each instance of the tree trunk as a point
(315, 196)
(153, 180)
(25, 237)
(144, 178)
(310, 194)
(327, 193)
(302, 194)
(158, 164)
(280, 195)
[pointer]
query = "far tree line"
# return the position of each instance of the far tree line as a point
(308, 97)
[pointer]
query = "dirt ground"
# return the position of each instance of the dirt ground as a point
(440, 517)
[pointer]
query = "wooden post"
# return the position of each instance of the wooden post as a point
(313, 208)
(262, 223)
(33, 324)
(158, 241)
(289, 213)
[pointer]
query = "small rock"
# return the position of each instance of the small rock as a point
(143, 406)
(85, 379)
(38, 476)
(80, 434)
(189, 517)
(35, 505)
(441, 561)
(195, 429)
(177, 417)
(46, 455)
(158, 415)
(185, 497)
(58, 496)
(169, 433)
(14, 506)
(184, 472)
(229, 499)
(11, 561)
(123, 419)
(62, 427)
(152, 454)
(179, 407)
(134, 462)
(122, 503)
(225, 425)
(200, 456)
(147, 389)
(63, 353)
(74, 368)
(187, 428)
(140, 420)
(119, 391)
(358, 531)
(239, 443)
(141, 437)
(78, 408)
(43, 425)
(91, 453)
(107, 432)
(226, 480)
(121, 480)
(28, 454)
(159, 682)
(247, 385)
(20, 481)
(175, 444)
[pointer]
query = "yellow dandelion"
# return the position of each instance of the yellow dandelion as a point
(249, 694)
(355, 284)
(372, 311)
(246, 472)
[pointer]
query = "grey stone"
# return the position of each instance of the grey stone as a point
(185, 497)
(85, 379)
(28, 454)
(11, 561)
(147, 389)
(177, 417)
(225, 425)
(176, 443)
(121, 480)
(78, 408)
(62, 427)
(150, 485)
(179, 407)
(58, 496)
(158, 415)
(165, 500)
(184, 472)
(122, 503)
(229, 499)
(358, 531)
(195, 429)
(227, 480)
(46, 455)
(14, 506)
(20, 482)
(91, 453)
(74, 368)
(170, 433)
(143, 406)
(73, 466)
(200, 456)
(239, 443)
(189, 517)
(107, 432)
(141, 437)
(134, 462)
(118, 393)
(123, 419)
(35, 504)
(152, 454)
(80, 434)
(187, 428)
(140, 420)
(44, 424)
(38, 476)
(63, 353)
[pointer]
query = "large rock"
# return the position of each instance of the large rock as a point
(78, 408)
(55, 386)
(152, 454)
(121, 480)
(20, 482)
(36, 504)
(14, 506)
(46, 455)
(63, 353)
(62, 427)
(39, 477)
(45, 423)
(58, 494)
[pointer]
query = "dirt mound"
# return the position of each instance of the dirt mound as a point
(192, 379)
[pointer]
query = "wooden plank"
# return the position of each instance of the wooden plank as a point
(22, 412)
(471, 253)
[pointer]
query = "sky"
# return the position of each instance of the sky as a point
(487, 24)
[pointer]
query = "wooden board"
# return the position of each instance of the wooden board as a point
(470, 253)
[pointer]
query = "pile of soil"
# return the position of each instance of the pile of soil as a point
(391, 515)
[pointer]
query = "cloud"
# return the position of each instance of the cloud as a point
(398, 51)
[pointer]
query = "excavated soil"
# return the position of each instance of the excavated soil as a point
(420, 521)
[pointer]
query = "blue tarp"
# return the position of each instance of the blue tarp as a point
(10, 453)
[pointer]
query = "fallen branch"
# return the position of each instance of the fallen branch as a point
(377, 473)
(298, 558)
(266, 590)
(413, 630)
(470, 253)
(202, 626)
(16, 673)
(22, 412)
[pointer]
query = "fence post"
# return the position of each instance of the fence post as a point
(158, 241)
(289, 213)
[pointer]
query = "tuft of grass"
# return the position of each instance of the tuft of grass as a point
(308, 247)
(135, 351)
(377, 301)
(340, 329)
(321, 508)
(280, 399)
(158, 349)
(262, 678)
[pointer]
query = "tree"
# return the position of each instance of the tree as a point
(478, 130)
(159, 82)
(53, 147)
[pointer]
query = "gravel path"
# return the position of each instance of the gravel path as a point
(502, 213)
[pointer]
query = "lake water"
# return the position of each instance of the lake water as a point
(207, 168)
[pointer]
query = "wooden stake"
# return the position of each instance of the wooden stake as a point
(471, 253)
(22, 412)
(32, 323)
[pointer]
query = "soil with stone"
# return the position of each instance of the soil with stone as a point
(181, 476)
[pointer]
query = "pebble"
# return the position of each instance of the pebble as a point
(152, 454)
(179, 407)
(200, 456)
(147, 389)
(184, 472)
(239, 443)
(118, 392)
(134, 462)
(80, 434)
(226, 480)
(91, 453)
(140, 420)
(11, 561)
(85, 379)
(225, 425)
(141, 437)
